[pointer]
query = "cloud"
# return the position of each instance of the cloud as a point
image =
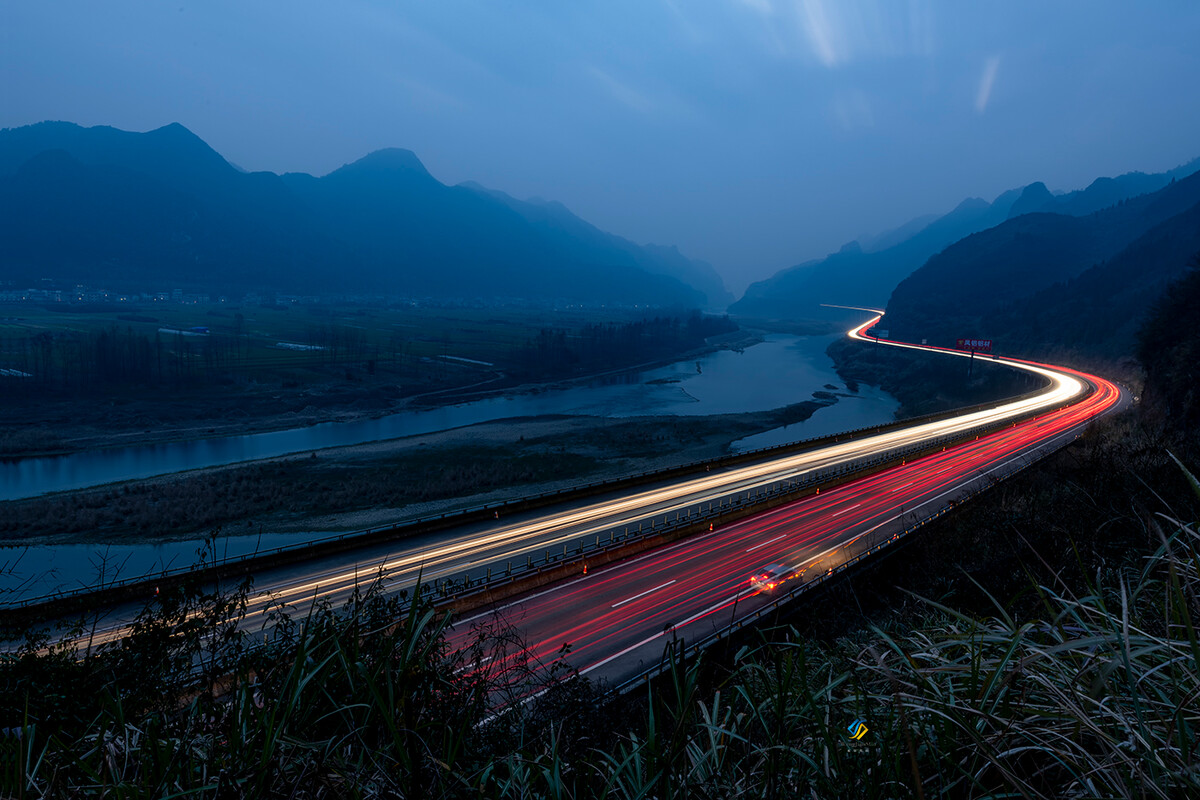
(839, 32)
(622, 93)
(986, 82)
(818, 24)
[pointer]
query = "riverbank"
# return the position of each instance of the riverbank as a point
(359, 486)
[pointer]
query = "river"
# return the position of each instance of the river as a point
(781, 370)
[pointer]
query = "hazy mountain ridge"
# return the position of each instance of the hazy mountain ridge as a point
(873, 242)
(866, 275)
(108, 224)
(1044, 281)
(854, 277)
(114, 207)
(555, 221)
(1105, 192)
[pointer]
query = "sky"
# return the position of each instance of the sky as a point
(754, 134)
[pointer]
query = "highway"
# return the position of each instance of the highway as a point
(478, 548)
(616, 622)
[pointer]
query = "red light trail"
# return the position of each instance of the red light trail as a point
(617, 620)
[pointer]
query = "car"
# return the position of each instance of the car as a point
(771, 576)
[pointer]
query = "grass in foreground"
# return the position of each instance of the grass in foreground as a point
(1096, 696)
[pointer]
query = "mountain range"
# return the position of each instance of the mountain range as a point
(1045, 281)
(120, 209)
(864, 272)
(1031, 269)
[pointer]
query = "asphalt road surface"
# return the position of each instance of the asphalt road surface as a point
(616, 620)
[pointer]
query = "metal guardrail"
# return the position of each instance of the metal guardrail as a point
(384, 532)
(852, 555)
(451, 589)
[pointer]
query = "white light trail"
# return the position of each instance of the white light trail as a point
(556, 528)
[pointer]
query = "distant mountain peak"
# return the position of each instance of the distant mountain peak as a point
(102, 205)
(1034, 197)
(971, 205)
(389, 159)
(170, 149)
(179, 135)
(181, 139)
(173, 129)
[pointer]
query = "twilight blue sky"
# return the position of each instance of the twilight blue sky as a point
(752, 133)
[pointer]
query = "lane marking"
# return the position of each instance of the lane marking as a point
(474, 664)
(712, 608)
(643, 594)
(826, 457)
(764, 544)
(844, 510)
(658, 635)
(617, 655)
(982, 476)
(905, 486)
(657, 551)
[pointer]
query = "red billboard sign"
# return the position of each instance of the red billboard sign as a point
(975, 344)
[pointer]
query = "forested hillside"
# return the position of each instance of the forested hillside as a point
(1047, 283)
(865, 272)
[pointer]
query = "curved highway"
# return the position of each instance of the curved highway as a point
(616, 622)
(476, 549)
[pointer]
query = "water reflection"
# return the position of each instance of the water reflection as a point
(781, 370)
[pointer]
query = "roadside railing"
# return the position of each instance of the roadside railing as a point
(716, 512)
(240, 564)
(578, 552)
(837, 563)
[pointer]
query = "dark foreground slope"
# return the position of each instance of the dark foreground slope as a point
(1064, 601)
(1169, 347)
